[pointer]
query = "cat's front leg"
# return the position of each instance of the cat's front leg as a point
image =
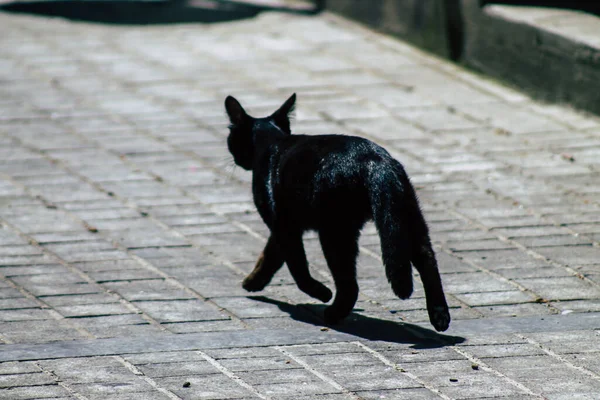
(295, 257)
(268, 263)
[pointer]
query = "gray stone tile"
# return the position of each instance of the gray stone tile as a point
(26, 379)
(34, 392)
(181, 311)
(205, 387)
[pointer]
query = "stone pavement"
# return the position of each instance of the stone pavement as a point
(126, 230)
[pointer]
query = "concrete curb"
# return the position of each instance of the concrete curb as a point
(549, 53)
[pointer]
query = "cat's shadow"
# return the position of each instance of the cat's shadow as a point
(365, 327)
(149, 12)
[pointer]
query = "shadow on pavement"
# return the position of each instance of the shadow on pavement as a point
(123, 12)
(367, 327)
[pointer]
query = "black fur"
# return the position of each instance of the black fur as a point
(332, 184)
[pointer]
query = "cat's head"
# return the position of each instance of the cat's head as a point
(245, 130)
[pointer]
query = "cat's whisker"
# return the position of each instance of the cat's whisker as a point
(224, 161)
(232, 174)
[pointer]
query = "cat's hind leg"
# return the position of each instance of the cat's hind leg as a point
(269, 262)
(295, 258)
(340, 247)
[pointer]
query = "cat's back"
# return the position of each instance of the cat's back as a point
(331, 152)
(328, 176)
(327, 162)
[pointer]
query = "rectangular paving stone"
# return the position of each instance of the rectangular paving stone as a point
(551, 241)
(27, 260)
(90, 310)
(39, 331)
(474, 282)
(17, 303)
(143, 290)
(54, 288)
(373, 377)
(124, 275)
(26, 379)
(326, 361)
(181, 310)
(8, 368)
(248, 308)
(405, 356)
(132, 384)
(259, 363)
(495, 298)
(485, 389)
(26, 314)
(514, 310)
(280, 377)
(561, 288)
(83, 299)
(292, 389)
(107, 265)
(416, 394)
(579, 255)
(19, 250)
(34, 392)
(38, 269)
(179, 369)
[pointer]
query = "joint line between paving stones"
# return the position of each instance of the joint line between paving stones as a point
(487, 368)
(558, 357)
(60, 383)
(149, 380)
(397, 367)
(316, 373)
(232, 376)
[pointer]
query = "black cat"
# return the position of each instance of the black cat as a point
(332, 184)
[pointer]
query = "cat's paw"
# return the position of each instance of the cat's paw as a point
(403, 289)
(321, 292)
(439, 317)
(253, 284)
(332, 315)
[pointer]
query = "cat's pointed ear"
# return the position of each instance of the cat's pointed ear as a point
(235, 111)
(283, 114)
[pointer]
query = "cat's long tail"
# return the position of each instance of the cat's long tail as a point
(396, 213)
(405, 239)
